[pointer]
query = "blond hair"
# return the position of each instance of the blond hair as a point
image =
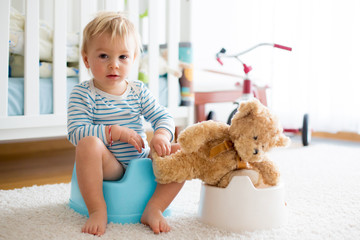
(113, 23)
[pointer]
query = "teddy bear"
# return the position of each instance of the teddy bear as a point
(215, 152)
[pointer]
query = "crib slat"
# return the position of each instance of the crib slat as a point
(4, 56)
(133, 9)
(59, 59)
(153, 47)
(115, 5)
(87, 10)
(31, 59)
(173, 38)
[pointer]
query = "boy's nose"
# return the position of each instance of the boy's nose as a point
(114, 64)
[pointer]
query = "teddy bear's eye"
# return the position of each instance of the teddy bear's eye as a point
(255, 138)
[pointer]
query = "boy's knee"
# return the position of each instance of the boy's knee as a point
(89, 144)
(89, 140)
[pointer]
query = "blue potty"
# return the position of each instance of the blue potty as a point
(126, 198)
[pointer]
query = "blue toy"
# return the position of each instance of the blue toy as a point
(126, 198)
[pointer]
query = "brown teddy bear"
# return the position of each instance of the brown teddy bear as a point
(214, 151)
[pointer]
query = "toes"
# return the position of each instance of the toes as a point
(155, 229)
(164, 227)
(100, 231)
(155, 220)
(93, 230)
(86, 229)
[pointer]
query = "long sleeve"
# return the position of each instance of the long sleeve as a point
(154, 113)
(80, 115)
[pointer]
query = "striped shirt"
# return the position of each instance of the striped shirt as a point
(90, 110)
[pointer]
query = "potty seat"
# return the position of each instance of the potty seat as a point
(126, 198)
(242, 207)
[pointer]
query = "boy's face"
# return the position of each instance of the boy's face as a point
(110, 61)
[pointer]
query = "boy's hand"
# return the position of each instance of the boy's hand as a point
(161, 142)
(124, 134)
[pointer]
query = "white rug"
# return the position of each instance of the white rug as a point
(322, 194)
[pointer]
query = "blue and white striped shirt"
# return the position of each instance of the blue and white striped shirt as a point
(90, 110)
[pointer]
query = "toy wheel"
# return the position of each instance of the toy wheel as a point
(231, 116)
(306, 131)
(211, 116)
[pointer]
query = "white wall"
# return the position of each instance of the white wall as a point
(228, 24)
(320, 76)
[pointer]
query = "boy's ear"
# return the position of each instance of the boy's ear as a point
(85, 59)
(137, 55)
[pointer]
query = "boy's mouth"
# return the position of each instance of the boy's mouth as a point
(112, 76)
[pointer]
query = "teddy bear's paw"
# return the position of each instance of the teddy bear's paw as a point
(158, 167)
(269, 172)
(155, 156)
(175, 167)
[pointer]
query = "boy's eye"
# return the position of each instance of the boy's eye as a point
(123, 57)
(103, 56)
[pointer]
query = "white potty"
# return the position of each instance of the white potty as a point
(242, 207)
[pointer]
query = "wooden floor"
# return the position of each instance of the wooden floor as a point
(49, 162)
(35, 166)
(24, 164)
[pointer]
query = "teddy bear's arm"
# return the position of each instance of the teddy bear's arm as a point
(193, 137)
(268, 171)
(176, 167)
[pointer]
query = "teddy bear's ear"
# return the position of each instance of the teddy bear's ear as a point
(248, 107)
(282, 141)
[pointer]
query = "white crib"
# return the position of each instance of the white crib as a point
(33, 125)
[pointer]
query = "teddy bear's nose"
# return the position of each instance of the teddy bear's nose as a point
(256, 151)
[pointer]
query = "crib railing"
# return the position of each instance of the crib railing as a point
(32, 124)
(35, 125)
(4, 56)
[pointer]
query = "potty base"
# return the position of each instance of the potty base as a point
(126, 198)
(242, 207)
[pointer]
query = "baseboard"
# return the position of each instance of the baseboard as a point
(18, 148)
(348, 136)
(29, 147)
(36, 146)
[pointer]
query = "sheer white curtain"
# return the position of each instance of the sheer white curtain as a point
(321, 76)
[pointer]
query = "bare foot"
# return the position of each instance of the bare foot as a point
(96, 224)
(152, 216)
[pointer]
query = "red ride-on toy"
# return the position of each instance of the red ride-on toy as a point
(248, 90)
